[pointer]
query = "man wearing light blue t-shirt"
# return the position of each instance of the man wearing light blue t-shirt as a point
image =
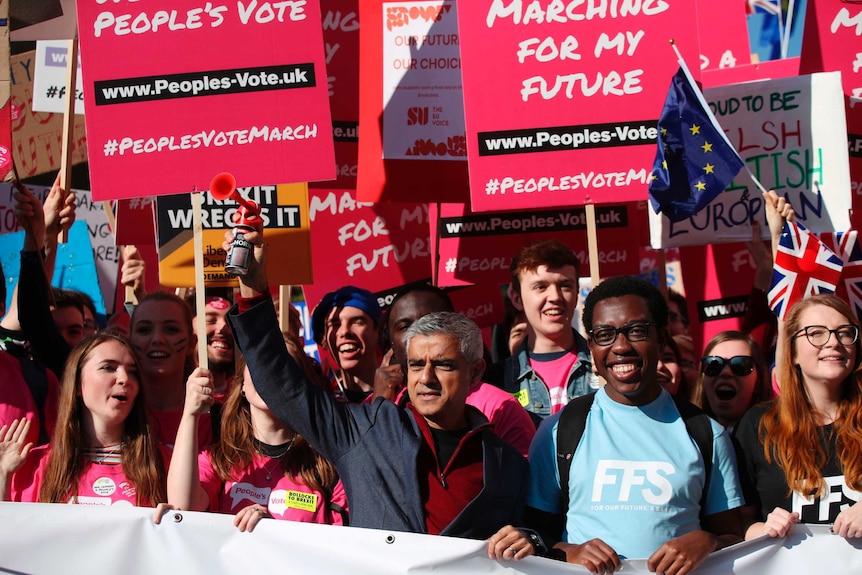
(637, 477)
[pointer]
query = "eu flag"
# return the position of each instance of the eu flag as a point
(694, 161)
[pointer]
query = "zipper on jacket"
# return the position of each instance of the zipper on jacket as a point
(443, 480)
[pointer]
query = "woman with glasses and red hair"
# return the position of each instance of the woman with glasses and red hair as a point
(801, 455)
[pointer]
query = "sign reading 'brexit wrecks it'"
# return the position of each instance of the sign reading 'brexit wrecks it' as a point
(213, 87)
(478, 248)
(791, 134)
(284, 211)
(833, 41)
(561, 98)
(374, 246)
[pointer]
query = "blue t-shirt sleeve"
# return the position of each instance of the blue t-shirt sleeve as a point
(543, 488)
(724, 491)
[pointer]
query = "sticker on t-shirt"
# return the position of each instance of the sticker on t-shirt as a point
(104, 486)
(301, 500)
(240, 491)
(523, 397)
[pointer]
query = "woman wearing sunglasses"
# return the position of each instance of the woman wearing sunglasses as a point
(801, 455)
(733, 377)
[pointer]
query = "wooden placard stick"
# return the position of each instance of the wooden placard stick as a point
(68, 124)
(284, 308)
(200, 290)
(593, 244)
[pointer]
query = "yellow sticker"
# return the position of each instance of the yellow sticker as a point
(523, 397)
(301, 500)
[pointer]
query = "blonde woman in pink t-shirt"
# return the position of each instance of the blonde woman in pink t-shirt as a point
(102, 452)
(260, 468)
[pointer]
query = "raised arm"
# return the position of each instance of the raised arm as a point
(184, 481)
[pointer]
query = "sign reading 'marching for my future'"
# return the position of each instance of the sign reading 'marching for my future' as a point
(561, 99)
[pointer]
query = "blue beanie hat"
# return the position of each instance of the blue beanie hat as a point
(348, 296)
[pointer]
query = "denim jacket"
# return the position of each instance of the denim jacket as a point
(524, 383)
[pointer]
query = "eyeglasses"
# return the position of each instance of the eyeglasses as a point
(818, 335)
(740, 365)
(634, 331)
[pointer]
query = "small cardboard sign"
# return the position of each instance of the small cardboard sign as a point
(49, 86)
(37, 137)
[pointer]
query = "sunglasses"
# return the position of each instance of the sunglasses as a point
(740, 365)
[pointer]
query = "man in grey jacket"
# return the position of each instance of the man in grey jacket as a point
(433, 467)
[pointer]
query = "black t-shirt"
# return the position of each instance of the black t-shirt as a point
(765, 486)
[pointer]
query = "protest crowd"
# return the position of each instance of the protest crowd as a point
(590, 426)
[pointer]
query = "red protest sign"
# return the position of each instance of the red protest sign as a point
(477, 248)
(136, 222)
(561, 101)
(212, 88)
(341, 44)
(373, 246)
(411, 106)
(729, 48)
(833, 34)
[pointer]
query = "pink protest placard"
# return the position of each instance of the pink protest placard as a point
(136, 222)
(341, 44)
(477, 248)
(832, 41)
(723, 34)
(562, 99)
(373, 246)
(177, 91)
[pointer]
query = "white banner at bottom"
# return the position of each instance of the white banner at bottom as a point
(49, 538)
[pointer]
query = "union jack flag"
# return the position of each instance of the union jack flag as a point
(846, 246)
(765, 5)
(803, 267)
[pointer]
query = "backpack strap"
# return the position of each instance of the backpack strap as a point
(573, 421)
(700, 429)
(570, 429)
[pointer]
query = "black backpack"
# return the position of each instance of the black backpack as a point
(573, 420)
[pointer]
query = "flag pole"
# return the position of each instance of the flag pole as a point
(707, 109)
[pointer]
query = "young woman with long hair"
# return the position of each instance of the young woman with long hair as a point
(259, 467)
(164, 342)
(734, 376)
(797, 450)
(102, 451)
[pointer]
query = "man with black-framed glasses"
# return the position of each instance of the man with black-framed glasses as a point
(646, 476)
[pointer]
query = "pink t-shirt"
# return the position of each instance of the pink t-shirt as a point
(164, 425)
(555, 374)
(16, 401)
(98, 484)
(511, 421)
(284, 497)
